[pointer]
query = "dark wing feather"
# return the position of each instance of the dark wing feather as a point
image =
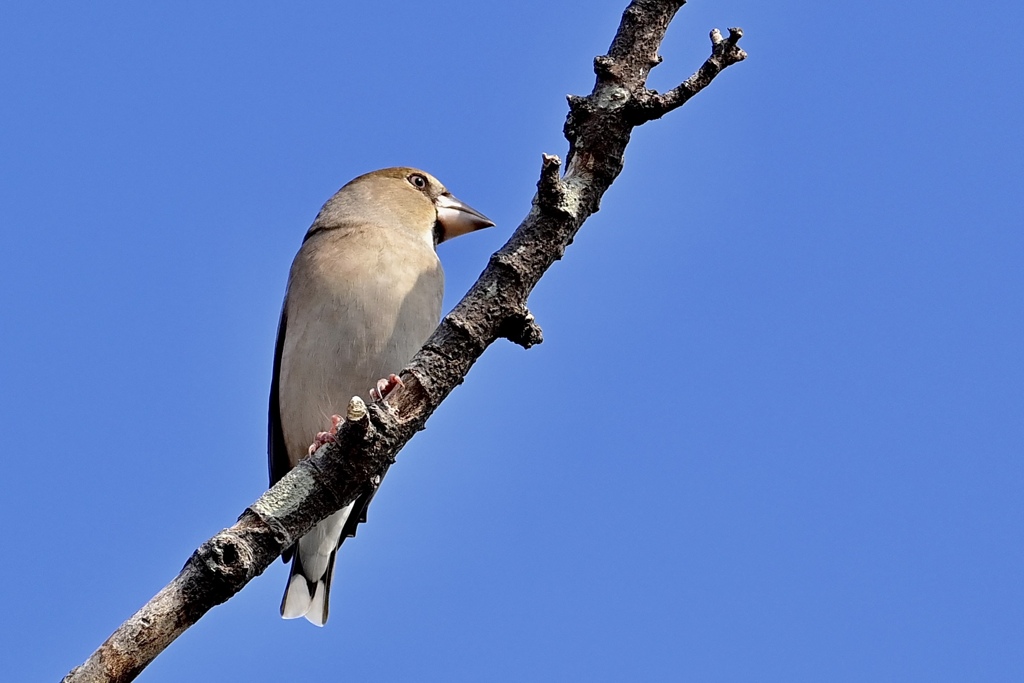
(277, 453)
(358, 514)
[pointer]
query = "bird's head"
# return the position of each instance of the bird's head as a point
(403, 197)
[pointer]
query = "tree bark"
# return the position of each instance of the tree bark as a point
(598, 128)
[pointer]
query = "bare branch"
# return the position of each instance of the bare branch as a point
(598, 128)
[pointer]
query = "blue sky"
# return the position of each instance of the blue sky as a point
(775, 429)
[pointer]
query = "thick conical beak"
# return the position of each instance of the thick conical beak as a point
(457, 218)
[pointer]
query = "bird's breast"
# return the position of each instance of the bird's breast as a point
(357, 310)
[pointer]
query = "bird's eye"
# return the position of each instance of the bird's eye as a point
(418, 181)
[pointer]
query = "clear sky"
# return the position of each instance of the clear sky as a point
(775, 431)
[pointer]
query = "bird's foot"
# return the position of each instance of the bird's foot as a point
(328, 436)
(385, 387)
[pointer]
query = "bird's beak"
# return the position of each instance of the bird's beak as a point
(457, 218)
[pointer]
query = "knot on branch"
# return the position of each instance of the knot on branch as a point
(578, 113)
(355, 428)
(226, 561)
(607, 69)
(551, 191)
(356, 410)
(462, 328)
(521, 328)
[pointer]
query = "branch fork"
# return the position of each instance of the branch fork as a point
(724, 52)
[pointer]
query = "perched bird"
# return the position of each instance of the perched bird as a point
(364, 293)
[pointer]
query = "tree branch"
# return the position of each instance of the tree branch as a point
(598, 128)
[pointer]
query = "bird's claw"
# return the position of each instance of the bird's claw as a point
(385, 387)
(328, 436)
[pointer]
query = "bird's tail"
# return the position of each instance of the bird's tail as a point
(308, 598)
(309, 584)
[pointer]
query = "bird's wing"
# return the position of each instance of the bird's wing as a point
(277, 453)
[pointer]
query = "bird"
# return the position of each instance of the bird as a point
(364, 293)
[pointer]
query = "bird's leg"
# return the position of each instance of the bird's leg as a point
(328, 436)
(385, 387)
